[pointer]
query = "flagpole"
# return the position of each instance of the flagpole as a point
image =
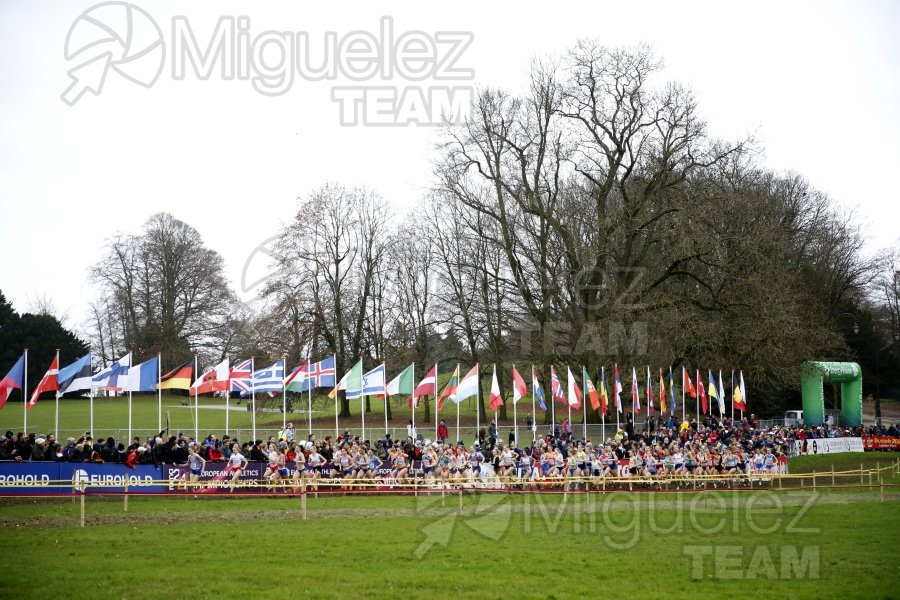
(130, 360)
(492, 386)
(515, 420)
(253, 397)
(584, 404)
(552, 404)
(533, 409)
(732, 397)
(197, 403)
(683, 409)
(228, 398)
(384, 380)
(603, 417)
(336, 427)
(616, 390)
(25, 398)
(283, 395)
(436, 400)
(362, 399)
(743, 399)
(697, 380)
(309, 392)
(457, 403)
(91, 398)
(56, 424)
(413, 394)
(158, 391)
(477, 400)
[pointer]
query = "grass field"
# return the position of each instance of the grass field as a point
(798, 544)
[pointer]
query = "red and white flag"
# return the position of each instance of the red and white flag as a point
(496, 398)
(428, 385)
(214, 380)
(574, 391)
(519, 388)
(48, 382)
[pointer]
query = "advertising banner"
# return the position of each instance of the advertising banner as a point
(881, 442)
(816, 446)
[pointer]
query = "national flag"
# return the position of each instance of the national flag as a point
(373, 382)
(604, 396)
(590, 390)
(14, 380)
(240, 377)
(428, 385)
(635, 397)
(214, 380)
(721, 395)
(556, 389)
(662, 393)
(537, 390)
(402, 383)
(740, 397)
(468, 386)
(322, 374)
(178, 378)
(296, 381)
(650, 408)
(574, 392)
(48, 382)
(672, 402)
(712, 392)
(449, 390)
(270, 379)
(113, 378)
(617, 388)
(702, 391)
(352, 381)
(143, 377)
(496, 398)
(76, 376)
(688, 384)
(519, 387)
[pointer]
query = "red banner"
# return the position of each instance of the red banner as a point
(881, 442)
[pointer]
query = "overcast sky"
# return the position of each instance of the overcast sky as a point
(817, 84)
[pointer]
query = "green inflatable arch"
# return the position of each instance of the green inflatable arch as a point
(815, 374)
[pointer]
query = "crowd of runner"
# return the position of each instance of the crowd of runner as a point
(663, 453)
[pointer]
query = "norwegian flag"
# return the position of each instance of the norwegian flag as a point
(556, 388)
(240, 376)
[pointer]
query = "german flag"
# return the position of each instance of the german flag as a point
(179, 378)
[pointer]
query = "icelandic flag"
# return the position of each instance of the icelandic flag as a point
(15, 379)
(240, 377)
(373, 382)
(76, 376)
(320, 374)
(143, 377)
(538, 390)
(113, 378)
(270, 379)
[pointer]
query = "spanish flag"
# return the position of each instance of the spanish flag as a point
(179, 378)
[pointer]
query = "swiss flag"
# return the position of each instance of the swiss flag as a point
(48, 382)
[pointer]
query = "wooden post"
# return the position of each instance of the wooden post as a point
(881, 485)
(779, 483)
(861, 474)
(460, 501)
(832, 475)
(870, 478)
(443, 496)
(82, 505)
(814, 479)
(303, 503)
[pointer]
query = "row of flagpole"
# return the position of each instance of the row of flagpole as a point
(428, 386)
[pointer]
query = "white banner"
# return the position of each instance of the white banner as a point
(828, 446)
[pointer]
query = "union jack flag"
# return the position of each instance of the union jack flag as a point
(240, 376)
